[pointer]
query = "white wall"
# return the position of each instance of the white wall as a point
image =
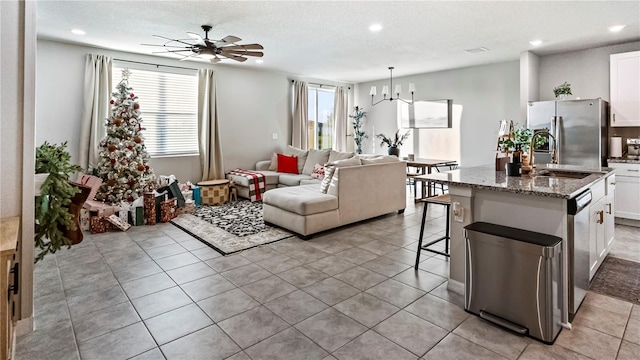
(587, 71)
(252, 105)
(487, 94)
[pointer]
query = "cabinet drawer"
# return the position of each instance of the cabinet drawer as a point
(625, 169)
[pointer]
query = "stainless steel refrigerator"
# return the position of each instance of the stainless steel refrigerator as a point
(580, 127)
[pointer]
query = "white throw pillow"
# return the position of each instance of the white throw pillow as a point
(274, 163)
(339, 155)
(330, 168)
(315, 157)
(318, 172)
(301, 154)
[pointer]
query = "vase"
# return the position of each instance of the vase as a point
(393, 150)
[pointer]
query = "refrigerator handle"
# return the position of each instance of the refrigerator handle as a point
(555, 132)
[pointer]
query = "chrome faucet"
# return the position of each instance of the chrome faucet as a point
(554, 154)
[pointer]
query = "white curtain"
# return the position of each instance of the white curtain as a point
(95, 107)
(300, 115)
(208, 129)
(340, 116)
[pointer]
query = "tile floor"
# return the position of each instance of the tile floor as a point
(154, 293)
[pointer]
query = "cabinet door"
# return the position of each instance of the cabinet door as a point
(609, 212)
(596, 236)
(625, 89)
(627, 197)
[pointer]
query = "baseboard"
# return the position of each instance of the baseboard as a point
(456, 286)
(629, 222)
(24, 326)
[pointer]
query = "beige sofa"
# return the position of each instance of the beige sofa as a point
(275, 179)
(355, 193)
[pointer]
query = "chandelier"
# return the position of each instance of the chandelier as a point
(385, 91)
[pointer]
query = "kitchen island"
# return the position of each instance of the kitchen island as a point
(536, 202)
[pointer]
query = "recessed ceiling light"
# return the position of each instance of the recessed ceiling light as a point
(259, 61)
(535, 42)
(78, 32)
(375, 27)
(616, 28)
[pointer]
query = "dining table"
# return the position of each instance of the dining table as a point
(424, 167)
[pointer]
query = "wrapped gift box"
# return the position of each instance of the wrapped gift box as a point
(160, 197)
(99, 224)
(168, 210)
(149, 208)
(118, 222)
(188, 208)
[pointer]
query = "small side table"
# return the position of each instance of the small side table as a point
(214, 192)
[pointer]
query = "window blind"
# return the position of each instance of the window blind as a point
(169, 109)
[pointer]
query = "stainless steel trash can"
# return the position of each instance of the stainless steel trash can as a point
(513, 279)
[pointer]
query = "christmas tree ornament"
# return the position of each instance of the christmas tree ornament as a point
(136, 106)
(111, 148)
(137, 139)
(117, 121)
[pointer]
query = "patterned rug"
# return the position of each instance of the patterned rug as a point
(230, 227)
(618, 278)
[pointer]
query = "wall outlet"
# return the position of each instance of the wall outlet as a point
(274, 136)
(458, 212)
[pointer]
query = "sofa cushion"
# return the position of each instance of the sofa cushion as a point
(301, 154)
(288, 164)
(339, 155)
(315, 157)
(302, 200)
(292, 179)
(378, 159)
(318, 172)
(273, 166)
(310, 182)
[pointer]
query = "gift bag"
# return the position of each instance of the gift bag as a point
(160, 197)
(174, 192)
(196, 195)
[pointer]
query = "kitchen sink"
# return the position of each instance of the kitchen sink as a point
(563, 174)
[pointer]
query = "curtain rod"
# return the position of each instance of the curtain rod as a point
(156, 65)
(321, 85)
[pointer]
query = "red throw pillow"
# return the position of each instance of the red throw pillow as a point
(287, 164)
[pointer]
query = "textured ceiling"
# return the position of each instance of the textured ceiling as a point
(330, 39)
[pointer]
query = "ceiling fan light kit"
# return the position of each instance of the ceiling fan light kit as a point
(209, 49)
(385, 91)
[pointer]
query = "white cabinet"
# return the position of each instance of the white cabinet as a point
(625, 89)
(601, 222)
(627, 194)
(609, 212)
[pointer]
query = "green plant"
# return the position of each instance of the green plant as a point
(358, 134)
(562, 89)
(396, 141)
(519, 136)
(52, 206)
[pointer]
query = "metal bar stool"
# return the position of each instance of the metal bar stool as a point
(444, 200)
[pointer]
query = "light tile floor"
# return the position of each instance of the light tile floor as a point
(155, 293)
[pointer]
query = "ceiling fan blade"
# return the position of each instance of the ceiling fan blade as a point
(230, 39)
(198, 39)
(243, 53)
(234, 57)
(215, 60)
(244, 47)
(166, 46)
(170, 40)
(188, 56)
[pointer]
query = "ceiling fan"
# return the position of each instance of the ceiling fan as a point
(213, 50)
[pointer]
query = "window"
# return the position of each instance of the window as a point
(169, 107)
(320, 126)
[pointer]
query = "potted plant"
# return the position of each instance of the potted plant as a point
(519, 136)
(358, 134)
(56, 193)
(394, 142)
(562, 90)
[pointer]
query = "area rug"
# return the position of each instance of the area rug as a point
(230, 227)
(618, 278)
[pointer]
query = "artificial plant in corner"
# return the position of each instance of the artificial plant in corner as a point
(358, 134)
(52, 206)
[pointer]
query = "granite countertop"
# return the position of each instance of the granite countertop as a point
(485, 177)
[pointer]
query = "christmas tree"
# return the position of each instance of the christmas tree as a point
(123, 164)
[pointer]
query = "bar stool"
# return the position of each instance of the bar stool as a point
(444, 200)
